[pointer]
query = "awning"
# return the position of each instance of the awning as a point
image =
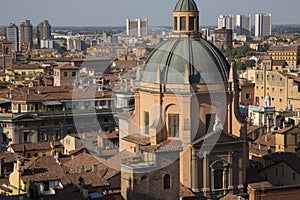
(52, 103)
(3, 101)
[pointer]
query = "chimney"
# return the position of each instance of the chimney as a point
(95, 168)
(266, 138)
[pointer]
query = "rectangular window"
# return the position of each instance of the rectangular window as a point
(248, 96)
(175, 24)
(73, 74)
(65, 74)
(26, 137)
(182, 23)
(191, 23)
(173, 125)
(146, 122)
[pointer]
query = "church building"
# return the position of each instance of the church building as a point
(186, 129)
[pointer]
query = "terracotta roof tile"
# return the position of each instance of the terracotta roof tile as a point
(29, 146)
(138, 139)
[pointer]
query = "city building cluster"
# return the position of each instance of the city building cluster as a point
(186, 113)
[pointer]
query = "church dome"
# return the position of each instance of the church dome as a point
(186, 6)
(176, 57)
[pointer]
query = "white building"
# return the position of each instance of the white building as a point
(263, 25)
(226, 22)
(243, 25)
(137, 27)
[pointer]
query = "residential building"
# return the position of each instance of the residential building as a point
(243, 25)
(263, 25)
(288, 53)
(12, 35)
(223, 38)
(19, 74)
(71, 142)
(50, 113)
(226, 22)
(137, 27)
(25, 34)
(65, 75)
(36, 149)
(287, 139)
(281, 86)
(43, 31)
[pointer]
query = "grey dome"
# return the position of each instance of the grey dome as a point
(205, 63)
(186, 6)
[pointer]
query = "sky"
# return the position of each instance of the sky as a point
(159, 12)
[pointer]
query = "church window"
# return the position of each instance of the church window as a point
(167, 182)
(218, 179)
(173, 125)
(210, 121)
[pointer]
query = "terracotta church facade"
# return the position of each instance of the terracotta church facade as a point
(186, 129)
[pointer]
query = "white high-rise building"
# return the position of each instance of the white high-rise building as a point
(12, 35)
(226, 22)
(243, 25)
(263, 25)
(137, 27)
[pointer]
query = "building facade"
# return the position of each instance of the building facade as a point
(243, 25)
(223, 38)
(12, 35)
(137, 27)
(288, 53)
(43, 31)
(169, 117)
(25, 34)
(226, 22)
(263, 25)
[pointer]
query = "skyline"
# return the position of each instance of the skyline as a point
(95, 13)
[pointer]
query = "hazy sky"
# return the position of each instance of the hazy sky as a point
(159, 12)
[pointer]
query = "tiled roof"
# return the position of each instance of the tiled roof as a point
(263, 184)
(109, 135)
(53, 93)
(8, 157)
(185, 192)
(289, 158)
(85, 160)
(284, 48)
(166, 145)
(138, 139)
(229, 196)
(90, 178)
(29, 146)
(67, 66)
(25, 66)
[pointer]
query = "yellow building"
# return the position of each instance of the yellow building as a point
(35, 149)
(288, 53)
(19, 74)
(287, 139)
(283, 88)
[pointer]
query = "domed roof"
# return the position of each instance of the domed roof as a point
(176, 57)
(186, 6)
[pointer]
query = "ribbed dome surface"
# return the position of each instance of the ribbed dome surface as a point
(204, 62)
(186, 6)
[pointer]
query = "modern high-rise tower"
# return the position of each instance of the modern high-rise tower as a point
(226, 22)
(137, 27)
(243, 25)
(43, 31)
(263, 25)
(25, 33)
(12, 35)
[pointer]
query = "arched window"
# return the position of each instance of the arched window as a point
(167, 182)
